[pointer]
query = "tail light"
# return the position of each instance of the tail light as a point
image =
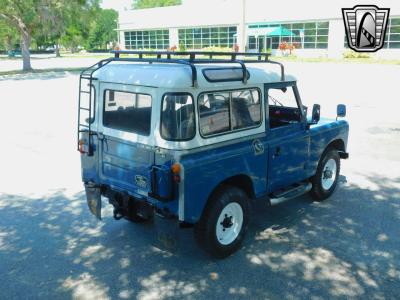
(82, 146)
(176, 172)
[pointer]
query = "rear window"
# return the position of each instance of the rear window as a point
(177, 117)
(127, 111)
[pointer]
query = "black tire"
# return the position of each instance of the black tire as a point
(206, 229)
(318, 191)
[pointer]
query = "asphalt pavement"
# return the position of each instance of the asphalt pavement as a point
(347, 247)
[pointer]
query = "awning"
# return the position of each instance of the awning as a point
(269, 31)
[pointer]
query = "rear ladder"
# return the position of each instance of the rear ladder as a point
(85, 109)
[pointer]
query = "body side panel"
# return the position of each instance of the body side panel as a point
(288, 155)
(321, 135)
(204, 171)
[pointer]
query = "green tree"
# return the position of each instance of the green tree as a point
(67, 22)
(23, 16)
(102, 30)
(139, 4)
(55, 14)
(9, 37)
(48, 18)
(79, 24)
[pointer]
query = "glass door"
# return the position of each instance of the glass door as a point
(261, 43)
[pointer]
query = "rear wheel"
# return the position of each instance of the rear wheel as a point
(325, 179)
(224, 222)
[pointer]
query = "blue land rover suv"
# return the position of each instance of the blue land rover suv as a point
(197, 136)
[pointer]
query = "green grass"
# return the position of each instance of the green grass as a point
(88, 55)
(40, 71)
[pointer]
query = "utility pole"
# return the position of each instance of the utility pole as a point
(242, 27)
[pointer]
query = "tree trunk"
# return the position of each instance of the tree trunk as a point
(58, 49)
(8, 42)
(25, 39)
(25, 44)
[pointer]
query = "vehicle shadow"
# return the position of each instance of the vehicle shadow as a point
(345, 247)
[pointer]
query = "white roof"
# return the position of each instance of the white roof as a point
(180, 76)
(194, 13)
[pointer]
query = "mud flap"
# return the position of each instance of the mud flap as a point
(93, 197)
(167, 231)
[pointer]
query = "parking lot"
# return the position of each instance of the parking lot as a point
(346, 247)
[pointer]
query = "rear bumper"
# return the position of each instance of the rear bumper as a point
(124, 202)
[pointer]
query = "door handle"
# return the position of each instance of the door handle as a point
(277, 152)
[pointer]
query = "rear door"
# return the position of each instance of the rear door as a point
(125, 131)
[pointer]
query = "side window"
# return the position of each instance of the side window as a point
(246, 109)
(177, 117)
(214, 113)
(221, 112)
(283, 107)
(127, 111)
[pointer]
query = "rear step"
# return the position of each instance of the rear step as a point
(290, 193)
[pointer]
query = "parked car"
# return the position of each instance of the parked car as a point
(196, 140)
(13, 53)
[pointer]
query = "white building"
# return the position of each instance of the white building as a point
(314, 27)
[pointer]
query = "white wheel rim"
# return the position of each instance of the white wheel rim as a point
(328, 176)
(229, 224)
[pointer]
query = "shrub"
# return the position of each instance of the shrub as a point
(286, 48)
(353, 54)
(182, 47)
(283, 46)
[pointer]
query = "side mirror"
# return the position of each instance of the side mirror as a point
(341, 111)
(316, 112)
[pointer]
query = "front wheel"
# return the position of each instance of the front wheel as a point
(326, 178)
(224, 222)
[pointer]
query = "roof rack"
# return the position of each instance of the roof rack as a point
(190, 58)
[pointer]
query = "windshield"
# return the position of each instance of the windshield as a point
(177, 117)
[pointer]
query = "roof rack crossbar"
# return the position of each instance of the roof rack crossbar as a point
(189, 58)
(193, 54)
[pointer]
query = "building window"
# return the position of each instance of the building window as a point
(306, 35)
(199, 38)
(252, 44)
(147, 39)
(392, 37)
